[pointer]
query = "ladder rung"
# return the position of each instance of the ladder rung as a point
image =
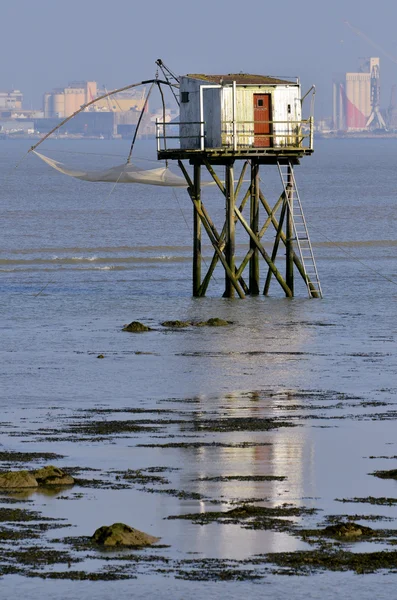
(301, 234)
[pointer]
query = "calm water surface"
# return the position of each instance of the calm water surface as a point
(79, 260)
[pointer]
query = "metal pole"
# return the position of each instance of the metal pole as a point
(201, 118)
(234, 117)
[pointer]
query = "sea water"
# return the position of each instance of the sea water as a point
(80, 260)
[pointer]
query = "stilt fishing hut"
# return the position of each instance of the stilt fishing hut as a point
(225, 119)
(256, 119)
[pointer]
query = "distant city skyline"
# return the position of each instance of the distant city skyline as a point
(47, 43)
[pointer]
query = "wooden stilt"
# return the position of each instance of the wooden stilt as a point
(197, 232)
(260, 234)
(275, 248)
(223, 240)
(254, 221)
(263, 252)
(230, 227)
(211, 231)
(283, 238)
(289, 256)
(215, 258)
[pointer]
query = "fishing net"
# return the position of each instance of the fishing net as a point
(126, 173)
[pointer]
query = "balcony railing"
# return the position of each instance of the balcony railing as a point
(237, 135)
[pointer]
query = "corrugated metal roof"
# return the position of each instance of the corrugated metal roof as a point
(241, 79)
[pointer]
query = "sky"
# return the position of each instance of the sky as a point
(48, 43)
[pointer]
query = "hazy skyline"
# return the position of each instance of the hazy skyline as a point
(47, 43)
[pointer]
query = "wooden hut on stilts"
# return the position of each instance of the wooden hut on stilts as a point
(255, 120)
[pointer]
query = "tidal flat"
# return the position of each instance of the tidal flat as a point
(239, 486)
(238, 446)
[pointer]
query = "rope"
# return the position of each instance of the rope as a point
(351, 255)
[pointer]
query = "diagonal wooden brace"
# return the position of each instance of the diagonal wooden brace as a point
(211, 231)
(204, 285)
(263, 252)
(283, 238)
(260, 235)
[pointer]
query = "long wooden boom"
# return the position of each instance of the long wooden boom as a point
(123, 89)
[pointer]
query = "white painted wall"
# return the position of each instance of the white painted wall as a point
(218, 114)
(190, 113)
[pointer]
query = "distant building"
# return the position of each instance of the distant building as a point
(131, 100)
(356, 98)
(63, 102)
(10, 101)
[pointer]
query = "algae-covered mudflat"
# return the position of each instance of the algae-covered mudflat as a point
(262, 452)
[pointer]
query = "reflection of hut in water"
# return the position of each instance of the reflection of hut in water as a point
(253, 449)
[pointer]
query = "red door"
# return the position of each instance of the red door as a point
(262, 118)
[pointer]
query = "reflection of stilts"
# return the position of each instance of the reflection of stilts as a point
(291, 213)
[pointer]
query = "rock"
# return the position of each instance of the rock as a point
(214, 322)
(136, 327)
(100, 356)
(119, 534)
(176, 324)
(347, 530)
(14, 480)
(392, 474)
(52, 476)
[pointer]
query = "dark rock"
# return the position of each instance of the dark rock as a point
(52, 476)
(214, 322)
(136, 327)
(347, 530)
(14, 480)
(176, 324)
(119, 534)
(392, 474)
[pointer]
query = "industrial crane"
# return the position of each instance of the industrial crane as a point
(375, 116)
(374, 44)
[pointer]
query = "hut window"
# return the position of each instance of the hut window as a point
(185, 97)
(289, 108)
(260, 102)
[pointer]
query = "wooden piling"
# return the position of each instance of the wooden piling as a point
(223, 240)
(197, 232)
(254, 222)
(275, 248)
(289, 255)
(230, 227)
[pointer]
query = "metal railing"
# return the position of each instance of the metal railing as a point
(237, 135)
